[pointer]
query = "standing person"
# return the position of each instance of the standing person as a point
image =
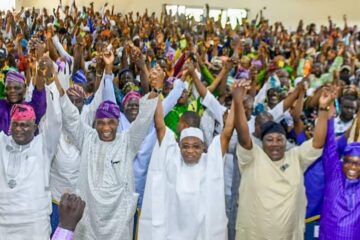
(25, 199)
(340, 215)
(66, 163)
(106, 179)
(272, 203)
(15, 89)
(184, 193)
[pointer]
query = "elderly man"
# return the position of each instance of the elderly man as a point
(15, 89)
(272, 203)
(25, 200)
(184, 194)
(340, 216)
(106, 178)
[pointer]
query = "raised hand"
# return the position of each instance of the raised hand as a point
(71, 210)
(188, 68)
(240, 88)
(328, 95)
(108, 57)
(46, 70)
(156, 77)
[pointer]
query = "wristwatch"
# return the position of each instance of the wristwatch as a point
(326, 109)
(157, 90)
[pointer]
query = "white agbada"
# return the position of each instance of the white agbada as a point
(65, 166)
(184, 202)
(25, 208)
(106, 181)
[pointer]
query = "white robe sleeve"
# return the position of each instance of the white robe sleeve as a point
(215, 108)
(60, 48)
(72, 123)
(50, 126)
(140, 126)
(171, 100)
(152, 223)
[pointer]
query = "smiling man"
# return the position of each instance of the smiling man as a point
(184, 193)
(273, 199)
(106, 179)
(340, 216)
(25, 159)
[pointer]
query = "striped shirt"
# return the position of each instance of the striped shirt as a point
(340, 218)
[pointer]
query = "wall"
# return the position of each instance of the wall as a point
(287, 11)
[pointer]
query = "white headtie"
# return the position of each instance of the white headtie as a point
(192, 132)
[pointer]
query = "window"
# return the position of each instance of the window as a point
(197, 13)
(234, 14)
(7, 4)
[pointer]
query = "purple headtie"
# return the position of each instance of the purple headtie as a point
(352, 150)
(108, 109)
(14, 76)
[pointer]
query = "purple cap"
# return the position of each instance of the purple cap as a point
(108, 109)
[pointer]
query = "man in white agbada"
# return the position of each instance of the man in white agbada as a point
(184, 193)
(65, 166)
(25, 199)
(106, 181)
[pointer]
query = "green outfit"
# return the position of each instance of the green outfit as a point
(325, 77)
(173, 117)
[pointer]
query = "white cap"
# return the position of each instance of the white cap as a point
(192, 132)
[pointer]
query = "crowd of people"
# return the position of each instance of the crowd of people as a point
(137, 126)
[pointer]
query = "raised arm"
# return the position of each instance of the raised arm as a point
(208, 99)
(296, 114)
(144, 73)
(241, 124)
(50, 126)
(59, 47)
(140, 126)
(221, 76)
(159, 122)
(228, 130)
(326, 99)
(71, 118)
(190, 68)
(174, 95)
(291, 98)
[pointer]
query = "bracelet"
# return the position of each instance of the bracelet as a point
(325, 109)
(99, 75)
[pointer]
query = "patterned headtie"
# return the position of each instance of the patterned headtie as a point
(77, 91)
(14, 76)
(108, 109)
(22, 112)
(79, 77)
(130, 95)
